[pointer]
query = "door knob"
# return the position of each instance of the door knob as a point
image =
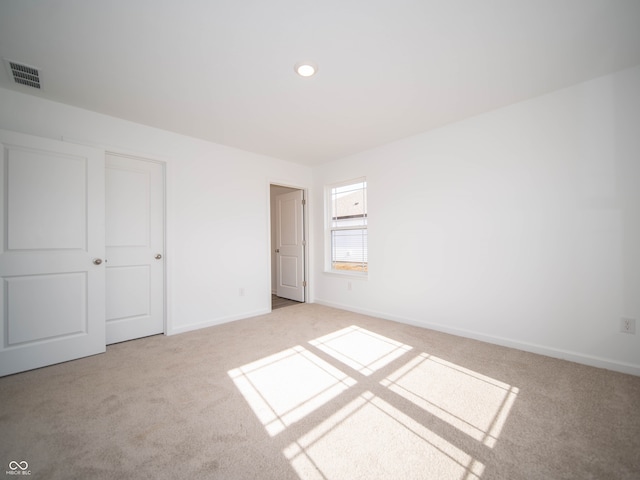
(97, 261)
(277, 250)
(158, 256)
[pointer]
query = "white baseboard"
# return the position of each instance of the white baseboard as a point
(590, 360)
(217, 321)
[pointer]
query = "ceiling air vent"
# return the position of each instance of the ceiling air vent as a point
(24, 74)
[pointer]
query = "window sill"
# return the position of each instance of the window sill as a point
(346, 273)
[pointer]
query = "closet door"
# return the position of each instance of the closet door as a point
(135, 248)
(52, 270)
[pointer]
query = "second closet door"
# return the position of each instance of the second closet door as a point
(134, 248)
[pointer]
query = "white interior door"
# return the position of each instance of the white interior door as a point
(290, 245)
(135, 248)
(51, 249)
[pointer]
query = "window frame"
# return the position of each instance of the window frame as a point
(330, 228)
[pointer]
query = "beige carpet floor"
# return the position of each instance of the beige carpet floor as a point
(310, 392)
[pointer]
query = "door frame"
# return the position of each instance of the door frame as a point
(305, 232)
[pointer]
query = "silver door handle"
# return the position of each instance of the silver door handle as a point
(158, 256)
(97, 261)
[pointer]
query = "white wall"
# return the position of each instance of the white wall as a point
(520, 226)
(217, 207)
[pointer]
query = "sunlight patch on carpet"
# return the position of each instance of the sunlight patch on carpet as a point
(370, 432)
(473, 403)
(283, 388)
(376, 440)
(361, 349)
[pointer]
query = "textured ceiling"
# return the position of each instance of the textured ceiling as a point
(223, 70)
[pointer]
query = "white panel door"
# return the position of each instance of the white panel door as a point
(52, 300)
(135, 248)
(290, 245)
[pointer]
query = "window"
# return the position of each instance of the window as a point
(347, 226)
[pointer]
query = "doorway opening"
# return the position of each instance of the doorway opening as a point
(288, 246)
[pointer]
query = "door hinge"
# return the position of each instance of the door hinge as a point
(304, 283)
(304, 202)
(304, 243)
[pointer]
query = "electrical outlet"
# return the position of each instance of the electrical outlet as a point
(349, 286)
(242, 292)
(628, 325)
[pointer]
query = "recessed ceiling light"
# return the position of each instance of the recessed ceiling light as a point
(305, 69)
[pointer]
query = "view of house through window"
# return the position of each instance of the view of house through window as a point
(348, 226)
